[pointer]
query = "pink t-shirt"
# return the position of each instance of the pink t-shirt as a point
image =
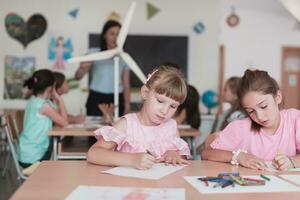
(139, 138)
(238, 135)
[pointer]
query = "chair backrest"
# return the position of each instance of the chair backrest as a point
(19, 118)
(12, 142)
(11, 123)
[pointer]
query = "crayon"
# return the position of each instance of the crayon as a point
(264, 177)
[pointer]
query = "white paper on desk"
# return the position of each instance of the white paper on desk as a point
(274, 185)
(271, 168)
(125, 193)
(157, 171)
(292, 177)
(184, 126)
(70, 126)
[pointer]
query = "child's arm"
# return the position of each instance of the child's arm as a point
(103, 153)
(59, 116)
(76, 119)
(244, 159)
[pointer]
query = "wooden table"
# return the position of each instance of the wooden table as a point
(57, 132)
(57, 179)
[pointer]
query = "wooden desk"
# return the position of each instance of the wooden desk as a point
(57, 179)
(57, 132)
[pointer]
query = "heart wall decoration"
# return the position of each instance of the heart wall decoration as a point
(25, 32)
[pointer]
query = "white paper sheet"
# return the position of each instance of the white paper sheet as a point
(271, 168)
(292, 177)
(71, 126)
(157, 171)
(274, 185)
(184, 126)
(125, 193)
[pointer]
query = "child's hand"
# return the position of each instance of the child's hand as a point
(55, 95)
(282, 162)
(172, 157)
(143, 161)
(79, 118)
(251, 161)
(107, 110)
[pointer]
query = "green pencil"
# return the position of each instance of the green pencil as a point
(264, 177)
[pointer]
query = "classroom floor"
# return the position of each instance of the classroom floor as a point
(8, 181)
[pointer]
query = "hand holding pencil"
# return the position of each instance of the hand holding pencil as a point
(282, 162)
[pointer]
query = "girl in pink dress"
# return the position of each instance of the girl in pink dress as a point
(268, 134)
(141, 139)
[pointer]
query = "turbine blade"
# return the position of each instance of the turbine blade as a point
(133, 66)
(102, 55)
(293, 6)
(125, 26)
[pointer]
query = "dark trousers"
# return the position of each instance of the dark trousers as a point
(46, 156)
(96, 98)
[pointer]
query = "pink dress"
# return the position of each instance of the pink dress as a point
(139, 138)
(286, 140)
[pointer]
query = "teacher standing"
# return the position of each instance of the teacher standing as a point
(101, 83)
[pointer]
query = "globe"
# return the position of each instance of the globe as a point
(209, 99)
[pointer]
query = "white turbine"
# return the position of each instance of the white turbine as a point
(116, 53)
(293, 6)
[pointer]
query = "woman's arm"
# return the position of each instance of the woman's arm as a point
(126, 83)
(83, 69)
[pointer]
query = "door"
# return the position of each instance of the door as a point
(290, 76)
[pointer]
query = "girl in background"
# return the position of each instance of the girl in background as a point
(40, 113)
(62, 87)
(141, 139)
(234, 112)
(267, 134)
(188, 112)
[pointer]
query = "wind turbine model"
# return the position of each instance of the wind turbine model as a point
(293, 6)
(116, 53)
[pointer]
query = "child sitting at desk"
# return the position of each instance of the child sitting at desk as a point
(188, 112)
(235, 111)
(141, 139)
(62, 87)
(268, 134)
(39, 116)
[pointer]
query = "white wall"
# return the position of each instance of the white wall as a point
(176, 17)
(265, 27)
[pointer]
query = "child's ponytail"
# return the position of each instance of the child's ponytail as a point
(39, 81)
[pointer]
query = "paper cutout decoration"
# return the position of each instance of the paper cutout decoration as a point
(25, 32)
(233, 19)
(74, 13)
(17, 70)
(151, 10)
(114, 16)
(199, 28)
(60, 50)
